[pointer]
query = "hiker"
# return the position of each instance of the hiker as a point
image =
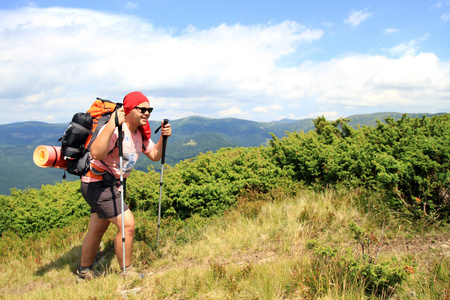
(102, 193)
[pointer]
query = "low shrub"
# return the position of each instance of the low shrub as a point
(32, 210)
(408, 159)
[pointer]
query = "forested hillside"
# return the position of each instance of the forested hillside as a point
(191, 136)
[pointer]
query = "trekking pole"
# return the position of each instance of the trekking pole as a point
(163, 157)
(121, 187)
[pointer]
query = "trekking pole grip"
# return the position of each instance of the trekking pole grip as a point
(120, 141)
(163, 157)
(120, 137)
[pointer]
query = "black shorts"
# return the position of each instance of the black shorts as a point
(104, 199)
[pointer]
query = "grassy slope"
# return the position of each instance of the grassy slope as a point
(256, 251)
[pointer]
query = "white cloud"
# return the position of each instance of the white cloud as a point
(328, 24)
(440, 4)
(404, 49)
(391, 30)
(54, 62)
(59, 53)
(132, 5)
(329, 115)
(357, 17)
(377, 81)
(232, 111)
(409, 48)
(267, 108)
(445, 17)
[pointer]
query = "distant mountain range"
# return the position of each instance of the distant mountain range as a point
(191, 136)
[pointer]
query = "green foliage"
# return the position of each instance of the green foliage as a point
(408, 159)
(384, 278)
(381, 278)
(209, 184)
(143, 191)
(335, 267)
(32, 210)
(364, 238)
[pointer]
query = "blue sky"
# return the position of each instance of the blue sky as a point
(256, 60)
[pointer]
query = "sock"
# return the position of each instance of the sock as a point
(128, 267)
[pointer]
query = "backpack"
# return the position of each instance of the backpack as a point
(81, 133)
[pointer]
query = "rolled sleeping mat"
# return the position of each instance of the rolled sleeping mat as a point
(49, 156)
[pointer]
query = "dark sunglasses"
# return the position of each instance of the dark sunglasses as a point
(143, 110)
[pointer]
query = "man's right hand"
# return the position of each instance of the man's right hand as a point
(120, 115)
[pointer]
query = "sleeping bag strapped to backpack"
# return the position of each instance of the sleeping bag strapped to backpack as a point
(81, 132)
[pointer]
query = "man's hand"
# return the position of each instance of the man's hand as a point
(166, 130)
(120, 112)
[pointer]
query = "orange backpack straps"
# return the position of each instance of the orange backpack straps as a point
(99, 108)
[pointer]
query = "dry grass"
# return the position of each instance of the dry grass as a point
(257, 251)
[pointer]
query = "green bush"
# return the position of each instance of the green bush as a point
(53, 206)
(334, 267)
(408, 159)
(209, 184)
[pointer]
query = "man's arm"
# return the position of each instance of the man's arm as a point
(156, 152)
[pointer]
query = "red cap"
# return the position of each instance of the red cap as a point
(132, 100)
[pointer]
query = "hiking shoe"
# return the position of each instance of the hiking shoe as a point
(83, 276)
(130, 271)
(88, 274)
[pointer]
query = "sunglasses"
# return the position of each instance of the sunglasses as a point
(143, 110)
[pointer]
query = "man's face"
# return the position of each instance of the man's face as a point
(141, 113)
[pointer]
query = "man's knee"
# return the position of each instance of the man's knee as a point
(97, 231)
(98, 227)
(129, 226)
(129, 230)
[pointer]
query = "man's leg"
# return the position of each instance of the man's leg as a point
(91, 242)
(129, 236)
